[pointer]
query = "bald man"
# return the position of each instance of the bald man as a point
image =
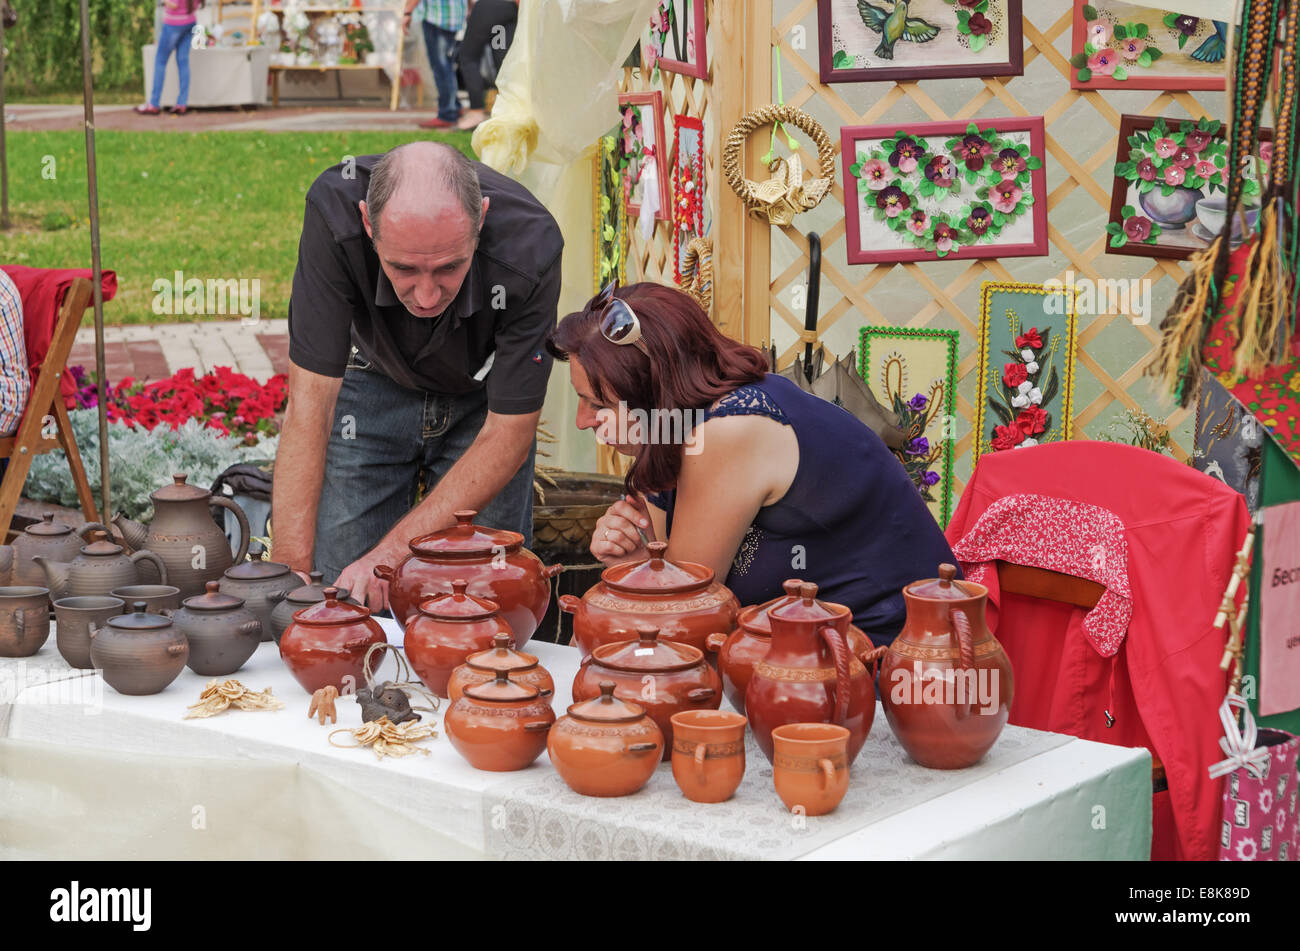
(425, 288)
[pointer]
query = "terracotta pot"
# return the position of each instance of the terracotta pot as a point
(680, 598)
(495, 563)
(499, 726)
(74, 617)
(749, 643)
(606, 746)
(299, 598)
(811, 766)
(222, 632)
(139, 653)
(708, 754)
(663, 677)
(482, 667)
(48, 540)
(156, 597)
(262, 585)
(448, 628)
(182, 529)
(326, 644)
(809, 675)
(945, 682)
(24, 619)
(101, 567)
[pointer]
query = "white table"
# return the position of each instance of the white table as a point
(88, 773)
(219, 76)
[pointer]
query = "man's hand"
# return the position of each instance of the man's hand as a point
(359, 578)
(618, 534)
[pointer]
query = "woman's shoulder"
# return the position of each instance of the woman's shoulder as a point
(761, 398)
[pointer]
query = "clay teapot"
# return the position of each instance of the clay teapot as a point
(809, 675)
(183, 534)
(327, 642)
(299, 598)
(139, 653)
(221, 631)
(481, 667)
(680, 598)
(446, 629)
(495, 563)
(499, 726)
(101, 567)
(945, 681)
(262, 585)
(606, 746)
(46, 539)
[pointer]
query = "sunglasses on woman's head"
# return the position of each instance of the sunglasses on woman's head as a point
(618, 322)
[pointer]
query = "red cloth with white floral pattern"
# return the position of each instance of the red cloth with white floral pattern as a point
(1163, 686)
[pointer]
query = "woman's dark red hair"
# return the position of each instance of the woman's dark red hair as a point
(691, 365)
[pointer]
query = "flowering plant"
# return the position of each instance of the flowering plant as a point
(1194, 156)
(917, 454)
(1020, 395)
(1113, 51)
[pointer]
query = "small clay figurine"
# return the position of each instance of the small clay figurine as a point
(322, 705)
(386, 701)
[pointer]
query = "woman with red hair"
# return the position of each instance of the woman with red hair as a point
(737, 468)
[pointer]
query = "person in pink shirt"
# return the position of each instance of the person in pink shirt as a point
(178, 23)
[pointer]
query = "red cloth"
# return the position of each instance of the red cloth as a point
(1164, 686)
(42, 291)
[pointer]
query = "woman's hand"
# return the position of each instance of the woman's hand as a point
(622, 532)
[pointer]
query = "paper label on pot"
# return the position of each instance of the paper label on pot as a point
(643, 652)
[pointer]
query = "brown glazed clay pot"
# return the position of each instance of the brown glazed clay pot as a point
(262, 585)
(708, 754)
(945, 682)
(481, 667)
(221, 631)
(139, 653)
(499, 726)
(299, 598)
(326, 644)
(680, 598)
(810, 767)
(446, 629)
(74, 617)
(45, 538)
(98, 569)
(24, 619)
(752, 639)
(660, 676)
(606, 746)
(809, 675)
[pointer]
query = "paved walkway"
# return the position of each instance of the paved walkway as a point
(153, 351)
(330, 116)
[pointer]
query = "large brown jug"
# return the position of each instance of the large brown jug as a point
(946, 682)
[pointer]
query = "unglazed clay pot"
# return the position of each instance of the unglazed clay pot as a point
(326, 644)
(708, 754)
(752, 639)
(499, 726)
(945, 682)
(481, 667)
(606, 746)
(811, 766)
(101, 567)
(660, 676)
(262, 585)
(299, 598)
(24, 619)
(809, 674)
(446, 629)
(74, 617)
(156, 597)
(45, 538)
(495, 563)
(680, 598)
(139, 653)
(222, 632)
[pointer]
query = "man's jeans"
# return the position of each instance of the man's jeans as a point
(385, 437)
(438, 43)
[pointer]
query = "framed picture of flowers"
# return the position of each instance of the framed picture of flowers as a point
(945, 190)
(913, 370)
(1169, 195)
(609, 214)
(677, 38)
(645, 173)
(688, 188)
(1123, 45)
(896, 40)
(1025, 387)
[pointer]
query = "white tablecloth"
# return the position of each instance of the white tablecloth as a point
(88, 773)
(219, 76)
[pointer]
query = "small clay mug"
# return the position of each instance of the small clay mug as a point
(708, 753)
(810, 766)
(156, 597)
(24, 619)
(74, 617)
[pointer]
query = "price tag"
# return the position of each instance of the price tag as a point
(643, 652)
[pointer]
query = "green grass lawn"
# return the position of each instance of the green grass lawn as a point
(218, 205)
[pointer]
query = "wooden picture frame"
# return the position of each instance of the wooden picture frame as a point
(610, 237)
(689, 205)
(695, 17)
(947, 55)
(1175, 66)
(654, 101)
(967, 208)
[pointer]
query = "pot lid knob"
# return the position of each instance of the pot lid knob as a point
(791, 587)
(213, 587)
(465, 521)
(657, 550)
(647, 635)
(947, 574)
(139, 607)
(316, 577)
(458, 589)
(47, 518)
(807, 591)
(179, 478)
(501, 642)
(331, 596)
(607, 691)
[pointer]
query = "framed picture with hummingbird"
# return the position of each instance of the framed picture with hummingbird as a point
(903, 40)
(1127, 46)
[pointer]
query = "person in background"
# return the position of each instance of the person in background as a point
(442, 20)
(178, 24)
(15, 378)
(492, 26)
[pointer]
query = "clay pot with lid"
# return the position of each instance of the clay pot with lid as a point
(139, 653)
(482, 666)
(662, 676)
(809, 675)
(494, 562)
(606, 746)
(221, 631)
(182, 527)
(47, 539)
(499, 726)
(446, 629)
(98, 569)
(262, 585)
(680, 598)
(299, 598)
(327, 642)
(945, 682)
(749, 643)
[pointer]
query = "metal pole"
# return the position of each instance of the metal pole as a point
(96, 278)
(4, 161)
